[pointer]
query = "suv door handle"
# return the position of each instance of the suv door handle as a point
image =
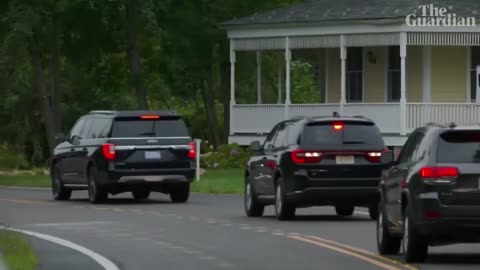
(85, 149)
(72, 149)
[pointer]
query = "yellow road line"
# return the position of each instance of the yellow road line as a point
(27, 202)
(346, 252)
(365, 252)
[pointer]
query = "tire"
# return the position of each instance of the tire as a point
(96, 193)
(415, 246)
(141, 194)
(373, 211)
(284, 210)
(180, 194)
(386, 243)
(344, 210)
(59, 191)
(252, 207)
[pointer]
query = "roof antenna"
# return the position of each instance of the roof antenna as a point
(336, 114)
(452, 125)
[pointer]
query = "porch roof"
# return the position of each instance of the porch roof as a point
(348, 10)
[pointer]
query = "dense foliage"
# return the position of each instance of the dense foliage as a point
(61, 58)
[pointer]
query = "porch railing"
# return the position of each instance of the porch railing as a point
(419, 114)
(259, 119)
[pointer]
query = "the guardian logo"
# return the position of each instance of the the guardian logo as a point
(431, 15)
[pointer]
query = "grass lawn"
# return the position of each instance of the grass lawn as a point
(220, 181)
(16, 251)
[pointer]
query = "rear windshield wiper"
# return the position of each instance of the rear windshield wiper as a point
(149, 134)
(353, 142)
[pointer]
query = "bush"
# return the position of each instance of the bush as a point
(228, 156)
(10, 160)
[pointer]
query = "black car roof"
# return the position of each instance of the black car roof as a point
(331, 118)
(134, 113)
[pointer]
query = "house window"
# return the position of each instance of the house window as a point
(394, 74)
(475, 59)
(355, 75)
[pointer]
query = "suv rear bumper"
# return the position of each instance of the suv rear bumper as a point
(150, 176)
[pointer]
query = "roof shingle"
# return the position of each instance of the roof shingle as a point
(333, 10)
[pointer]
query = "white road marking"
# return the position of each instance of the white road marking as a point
(278, 234)
(73, 224)
(27, 188)
(102, 261)
(295, 234)
(362, 213)
(261, 231)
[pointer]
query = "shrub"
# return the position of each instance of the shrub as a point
(10, 160)
(228, 156)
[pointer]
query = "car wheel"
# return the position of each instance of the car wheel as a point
(96, 192)
(141, 194)
(386, 243)
(59, 191)
(415, 246)
(180, 194)
(283, 209)
(252, 207)
(344, 210)
(373, 211)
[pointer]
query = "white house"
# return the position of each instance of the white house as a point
(402, 63)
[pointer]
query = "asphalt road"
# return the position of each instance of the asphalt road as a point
(209, 232)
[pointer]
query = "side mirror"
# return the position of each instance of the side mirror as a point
(255, 146)
(75, 140)
(387, 158)
(60, 137)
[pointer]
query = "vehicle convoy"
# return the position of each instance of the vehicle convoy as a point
(111, 152)
(431, 194)
(316, 161)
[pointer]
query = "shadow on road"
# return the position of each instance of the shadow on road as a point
(125, 201)
(326, 218)
(445, 258)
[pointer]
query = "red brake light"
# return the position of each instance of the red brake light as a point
(271, 164)
(302, 157)
(149, 117)
(374, 157)
(338, 126)
(431, 214)
(108, 151)
(192, 151)
(437, 172)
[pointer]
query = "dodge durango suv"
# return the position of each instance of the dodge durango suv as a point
(109, 152)
(316, 161)
(431, 194)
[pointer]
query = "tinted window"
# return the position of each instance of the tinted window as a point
(351, 134)
(145, 128)
(409, 148)
(77, 128)
(99, 128)
(459, 147)
(281, 138)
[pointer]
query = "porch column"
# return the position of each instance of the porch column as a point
(288, 59)
(259, 77)
(280, 81)
(233, 59)
(343, 79)
(403, 83)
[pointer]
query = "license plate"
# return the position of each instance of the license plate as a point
(153, 155)
(345, 159)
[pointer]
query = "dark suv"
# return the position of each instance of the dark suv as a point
(316, 161)
(431, 194)
(127, 151)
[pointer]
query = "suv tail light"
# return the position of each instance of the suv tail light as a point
(303, 157)
(438, 172)
(192, 150)
(108, 151)
(376, 156)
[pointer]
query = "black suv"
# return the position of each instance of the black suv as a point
(316, 161)
(126, 151)
(431, 194)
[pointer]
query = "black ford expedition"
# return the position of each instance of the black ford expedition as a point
(316, 161)
(109, 152)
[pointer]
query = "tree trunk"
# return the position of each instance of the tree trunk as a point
(41, 91)
(208, 94)
(56, 112)
(134, 54)
(225, 88)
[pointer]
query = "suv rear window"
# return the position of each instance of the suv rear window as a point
(133, 128)
(350, 134)
(459, 146)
